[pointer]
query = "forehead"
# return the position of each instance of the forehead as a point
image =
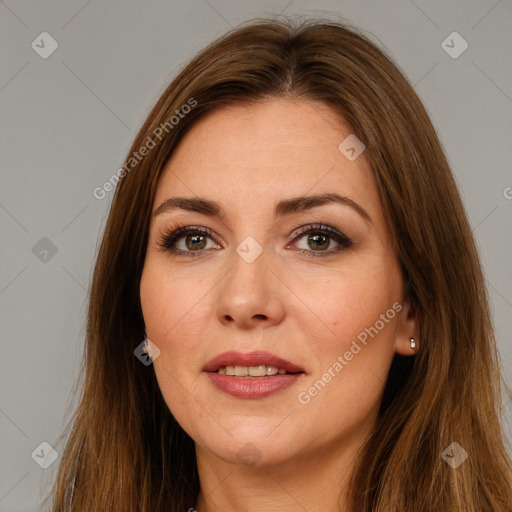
(253, 154)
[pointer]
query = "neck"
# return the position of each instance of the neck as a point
(297, 484)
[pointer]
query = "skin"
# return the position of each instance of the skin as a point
(307, 310)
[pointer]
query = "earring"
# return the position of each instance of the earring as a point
(413, 343)
(147, 348)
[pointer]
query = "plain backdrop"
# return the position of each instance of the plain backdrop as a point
(68, 119)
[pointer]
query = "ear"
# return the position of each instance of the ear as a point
(406, 329)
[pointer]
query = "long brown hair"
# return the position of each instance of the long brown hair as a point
(125, 451)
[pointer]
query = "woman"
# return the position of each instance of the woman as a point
(287, 246)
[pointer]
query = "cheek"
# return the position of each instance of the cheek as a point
(336, 307)
(162, 309)
(168, 301)
(359, 310)
(174, 309)
(168, 305)
(351, 361)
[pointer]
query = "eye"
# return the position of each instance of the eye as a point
(319, 238)
(187, 240)
(192, 241)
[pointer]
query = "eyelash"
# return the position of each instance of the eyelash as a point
(168, 239)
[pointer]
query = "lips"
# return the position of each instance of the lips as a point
(255, 358)
(252, 387)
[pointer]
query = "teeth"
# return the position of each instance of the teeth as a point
(257, 371)
(272, 370)
(241, 371)
(251, 371)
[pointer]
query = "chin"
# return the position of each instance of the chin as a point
(250, 449)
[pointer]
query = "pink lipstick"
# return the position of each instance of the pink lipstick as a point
(251, 375)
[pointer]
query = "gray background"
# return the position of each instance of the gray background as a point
(69, 119)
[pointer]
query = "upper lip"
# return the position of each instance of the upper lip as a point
(255, 358)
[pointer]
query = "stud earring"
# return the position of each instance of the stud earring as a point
(147, 348)
(413, 343)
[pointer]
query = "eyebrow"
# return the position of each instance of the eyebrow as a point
(281, 209)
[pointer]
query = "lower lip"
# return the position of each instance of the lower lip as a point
(252, 387)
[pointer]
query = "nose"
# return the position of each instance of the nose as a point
(250, 294)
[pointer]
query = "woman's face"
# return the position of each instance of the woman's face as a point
(327, 303)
